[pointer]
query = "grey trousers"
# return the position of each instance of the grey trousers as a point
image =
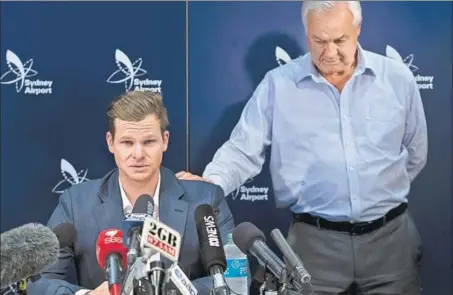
(386, 261)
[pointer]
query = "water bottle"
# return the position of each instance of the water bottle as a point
(237, 272)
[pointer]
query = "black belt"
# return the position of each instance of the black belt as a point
(358, 228)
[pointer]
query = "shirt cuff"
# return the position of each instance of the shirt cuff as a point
(82, 292)
(216, 179)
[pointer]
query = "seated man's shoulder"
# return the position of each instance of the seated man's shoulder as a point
(196, 190)
(85, 190)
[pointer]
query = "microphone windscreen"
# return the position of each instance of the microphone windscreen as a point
(26, 251)
(65, 233)
(144, 204)
(211, 247)
(133, 222)
(245, 234)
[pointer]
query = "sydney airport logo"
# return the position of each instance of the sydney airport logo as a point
(131, 74)
(252, 193)
(20, 73)
(423, 82)
(281, 56)
(70, 177)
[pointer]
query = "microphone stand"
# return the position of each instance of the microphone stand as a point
(270, 284)
(143, 287)
(11, 289)
(219, 285)
(20, 288)
(284, 282)
(156, 275)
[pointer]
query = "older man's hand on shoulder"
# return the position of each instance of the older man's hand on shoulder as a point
(184, 175)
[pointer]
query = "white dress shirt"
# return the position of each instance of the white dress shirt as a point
(127, 208)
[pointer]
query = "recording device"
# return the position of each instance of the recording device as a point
(211, 247)
(177, 283)
(299, 273)
(264, 282)
(138, 271)
(249, 239)
(111, 256)
(26, 250)
(133, 223)
(143, 287)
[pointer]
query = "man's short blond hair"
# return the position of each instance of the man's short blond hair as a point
(134, 106)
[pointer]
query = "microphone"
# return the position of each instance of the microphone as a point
(133, 223)
(211, 247)
(299, 274)
(249, 239)
(160, 237)
(25, 251)
(136, 272)
(111, 254)
(157, 275)
(176, 282)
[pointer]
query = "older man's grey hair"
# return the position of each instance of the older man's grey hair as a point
(320, 6)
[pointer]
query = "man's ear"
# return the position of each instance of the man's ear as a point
(358, 30)
(109, 140)
(166, 138)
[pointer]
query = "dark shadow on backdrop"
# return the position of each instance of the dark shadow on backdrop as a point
(260, 59)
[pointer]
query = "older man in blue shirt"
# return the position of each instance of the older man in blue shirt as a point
(348, 135)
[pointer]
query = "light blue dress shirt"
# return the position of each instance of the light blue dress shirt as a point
(348, 156)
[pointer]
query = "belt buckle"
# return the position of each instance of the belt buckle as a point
(355, 229)
(358, 228)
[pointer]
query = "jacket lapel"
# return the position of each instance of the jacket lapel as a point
(109, 212)
(173, 209)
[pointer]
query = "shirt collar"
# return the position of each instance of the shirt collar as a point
(127, 206)
(364, 64)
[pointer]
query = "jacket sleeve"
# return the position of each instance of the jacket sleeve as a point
(52, 280)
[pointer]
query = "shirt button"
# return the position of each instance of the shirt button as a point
(351, 168)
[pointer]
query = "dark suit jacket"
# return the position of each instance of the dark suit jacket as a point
(96, 205)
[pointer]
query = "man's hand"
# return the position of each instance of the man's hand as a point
(103, 289)
(189, 176)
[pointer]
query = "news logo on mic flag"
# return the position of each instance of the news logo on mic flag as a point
(161, 237)
(110, 241)
(180, 280)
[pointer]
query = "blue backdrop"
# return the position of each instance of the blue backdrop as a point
(78, 46)
(77, 56)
